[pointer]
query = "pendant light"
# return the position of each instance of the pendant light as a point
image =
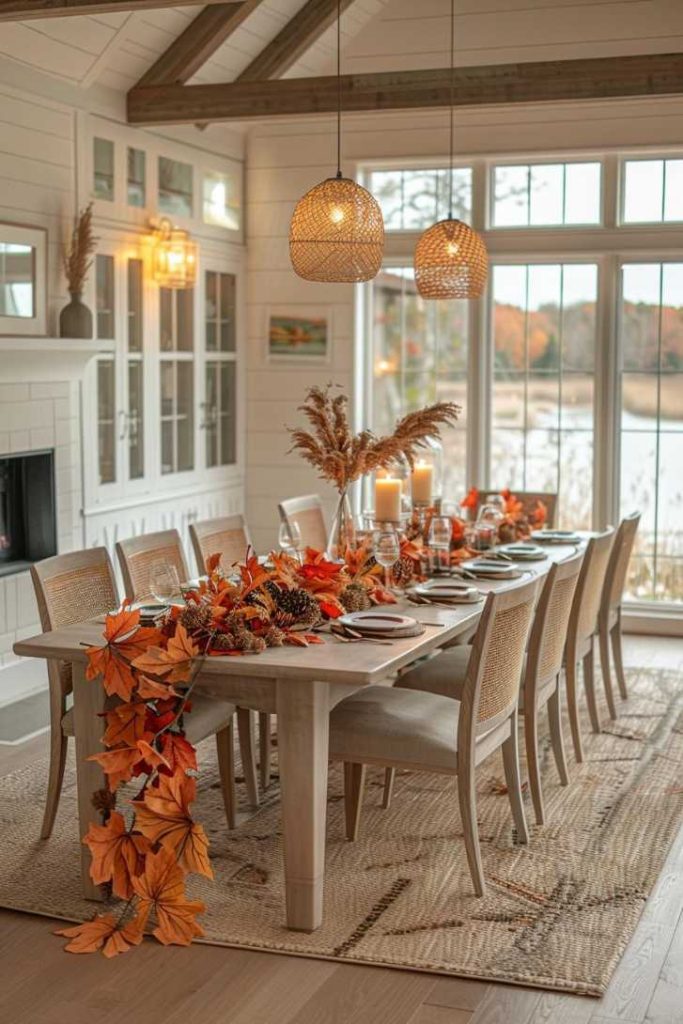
(337, 229)
(451, 261)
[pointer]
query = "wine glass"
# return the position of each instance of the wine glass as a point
(386, 548)
(439, 542)
(164, 582)
(289, 537)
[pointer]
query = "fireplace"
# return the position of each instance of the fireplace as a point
(28, 520)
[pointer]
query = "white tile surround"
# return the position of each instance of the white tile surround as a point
(34, 417)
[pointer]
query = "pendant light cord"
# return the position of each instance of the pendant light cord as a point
(339, 89)
(452, 97)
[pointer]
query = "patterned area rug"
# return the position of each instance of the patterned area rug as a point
(558, 914)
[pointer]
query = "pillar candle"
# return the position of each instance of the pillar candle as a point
(387, 500)
(422, 479)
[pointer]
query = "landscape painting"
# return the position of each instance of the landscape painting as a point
(298, 338)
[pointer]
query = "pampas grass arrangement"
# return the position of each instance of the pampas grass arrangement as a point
(77, 257)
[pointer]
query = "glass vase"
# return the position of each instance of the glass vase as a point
(343, 530)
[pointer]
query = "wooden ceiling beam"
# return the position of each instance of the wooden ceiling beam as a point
(595, 78)
(297, 36)
(25, 10)
(198, 43)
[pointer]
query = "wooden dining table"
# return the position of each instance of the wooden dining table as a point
(299, 685)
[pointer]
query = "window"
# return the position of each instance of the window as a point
(177, 379)
(539, 195)
(544, 333)
(652, 191)
(175, 187)
(651, 328)
(419, 355)
(220, 383)
(412, 200)
(136, 177)
(221, 205)
(17, 280)
(135, 423)
(106, 369)
(103, 169)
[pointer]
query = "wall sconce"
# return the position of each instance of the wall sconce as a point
(174, 256)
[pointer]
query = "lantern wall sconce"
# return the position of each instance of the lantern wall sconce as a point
(174, 256)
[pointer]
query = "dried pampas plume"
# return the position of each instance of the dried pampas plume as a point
(77, 258)
(342, 457)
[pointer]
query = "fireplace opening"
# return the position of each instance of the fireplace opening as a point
(28, 520)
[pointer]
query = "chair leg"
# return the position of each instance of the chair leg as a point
(589, 685)
(245, 730)
(606, 673)
(264, 749)
(467, 800)
(573, 707)
(225, 749)
(514, 780)
(617, 653)
(556, 738)
(389, 776)
(58, 748)
(532, 765)
(354, 785)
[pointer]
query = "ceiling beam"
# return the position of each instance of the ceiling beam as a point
(596, 78)
(297, 36)
(24, 10)
(198, 42)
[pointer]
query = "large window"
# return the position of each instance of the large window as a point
(411, 200)
(543, 195)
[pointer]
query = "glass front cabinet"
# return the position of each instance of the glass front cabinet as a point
(164, 407)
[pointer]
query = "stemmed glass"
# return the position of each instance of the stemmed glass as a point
(439, 542)
(164, 583)
(289, 537)
(386, 548)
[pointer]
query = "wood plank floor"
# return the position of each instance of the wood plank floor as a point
(39, 984)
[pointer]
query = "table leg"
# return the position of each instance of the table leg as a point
(303, 743)
(89, 702)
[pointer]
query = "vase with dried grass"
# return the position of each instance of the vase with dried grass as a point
(75, 320)
(342, 457)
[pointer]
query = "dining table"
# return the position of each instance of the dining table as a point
(300, 685)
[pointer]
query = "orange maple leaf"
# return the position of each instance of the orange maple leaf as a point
(121, 764)
(161, 888)
(152, 689)
(173, 661)
(212, 563)
(125, 640)
(179, 752)
(163, 815)
(116, 854)
(103, 930)
(471, 499)
(126, 725)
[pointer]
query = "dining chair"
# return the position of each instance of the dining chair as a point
(136, 557)
(308, 513)
(529, 500)
(229, 537)
(402, 727)
(581, 633)
(79, 585)
(609, 616)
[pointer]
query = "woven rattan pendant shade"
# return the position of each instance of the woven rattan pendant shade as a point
(451, 262)
(337, 233)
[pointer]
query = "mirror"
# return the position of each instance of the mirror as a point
(23, 267)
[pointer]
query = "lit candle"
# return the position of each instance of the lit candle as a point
(387, 500)
(422, 480)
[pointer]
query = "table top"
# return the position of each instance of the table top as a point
(332, 661)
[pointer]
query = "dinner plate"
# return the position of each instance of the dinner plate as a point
(376, 622)
(524, 552)
(556, 536)
(489, 569)
(453, 593)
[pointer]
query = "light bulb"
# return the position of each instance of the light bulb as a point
(336, 215)
(452, 248)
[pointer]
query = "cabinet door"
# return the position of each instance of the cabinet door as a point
(176, 380)
(220, 348)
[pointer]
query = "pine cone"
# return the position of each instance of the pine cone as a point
(224, 642)
(274, 637)
(355, 598)
(195, 616)
(103, 801)
(296, 608)
(402, 571)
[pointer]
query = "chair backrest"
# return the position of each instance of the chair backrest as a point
(70, 588)
(615, 579)
(308, 513)
(549, 629)
(137, 555)
(227, 536)
(494, 670)
(530, 500)
(586, 605)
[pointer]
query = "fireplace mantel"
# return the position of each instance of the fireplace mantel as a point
(29, 360)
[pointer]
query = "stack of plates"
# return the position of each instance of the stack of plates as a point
(151, 614)
(387, 625)
(491, 569)
(556, 536)
(446, 591)
(524, 552)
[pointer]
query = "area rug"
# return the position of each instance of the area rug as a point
(558, 913)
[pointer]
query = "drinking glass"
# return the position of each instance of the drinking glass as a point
(386, 548)
(289, 537)
(439, 542)
(497, 501)
(164, 583)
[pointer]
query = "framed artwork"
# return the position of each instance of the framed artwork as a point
(23, 280)
(298, 337)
